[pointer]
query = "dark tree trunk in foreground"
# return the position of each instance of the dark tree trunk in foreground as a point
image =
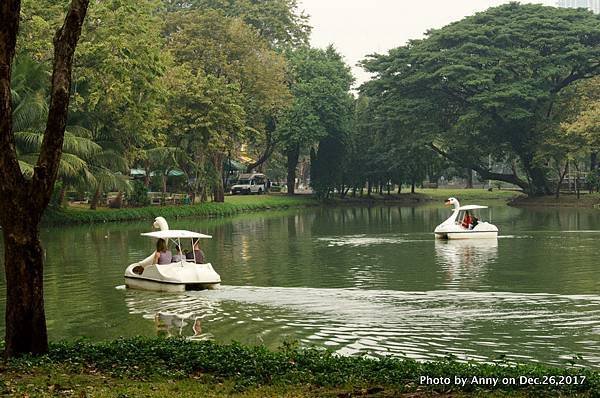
(593, 160)
(24, 201)
(293, 153)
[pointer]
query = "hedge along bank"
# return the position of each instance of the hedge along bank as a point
(145, 359)
(63, 216)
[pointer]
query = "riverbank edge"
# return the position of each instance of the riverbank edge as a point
(195, 366)
(588, 201)
(69, 215)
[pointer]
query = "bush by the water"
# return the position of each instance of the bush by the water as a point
(143, 359)
(139, 196)
(54, 216)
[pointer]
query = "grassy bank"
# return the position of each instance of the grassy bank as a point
(232, 205)
(565, 200)
(433, 195)
(162, 367)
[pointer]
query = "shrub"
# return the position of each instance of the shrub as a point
(139, 196)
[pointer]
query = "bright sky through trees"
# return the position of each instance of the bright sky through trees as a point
(361, 27)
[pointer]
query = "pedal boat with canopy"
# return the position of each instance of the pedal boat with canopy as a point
(178, 276)
(454, 227)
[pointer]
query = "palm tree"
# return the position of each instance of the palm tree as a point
(84, 162)
(29, 115)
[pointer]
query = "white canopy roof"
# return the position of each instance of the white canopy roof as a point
(472, 207)
(176, 233)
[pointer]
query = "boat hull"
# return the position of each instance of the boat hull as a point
(483, 230)
(467, 235)
(157, 286)
(175, 277)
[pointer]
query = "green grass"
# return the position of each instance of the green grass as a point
(469, 195)
(564, 200)
(432, 195)
(159, 367)
(233, 205)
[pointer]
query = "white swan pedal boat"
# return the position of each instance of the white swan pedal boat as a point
(456, 228)
(178, 276)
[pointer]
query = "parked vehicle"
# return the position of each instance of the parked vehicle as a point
(250, 183)
(277, 187)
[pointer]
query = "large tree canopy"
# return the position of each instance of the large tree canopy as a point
(278, 21)
(321, 107)
(489, 84)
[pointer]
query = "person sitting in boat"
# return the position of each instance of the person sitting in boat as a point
(474, 223)
(198, 253)
(467, 221)
(163, 254)
(179, 256)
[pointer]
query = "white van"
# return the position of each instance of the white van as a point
(250, 183)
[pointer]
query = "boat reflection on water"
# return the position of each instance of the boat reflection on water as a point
(173, 325)
(177, 315)
(465, 260)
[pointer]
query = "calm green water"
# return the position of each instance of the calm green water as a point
(356, 280)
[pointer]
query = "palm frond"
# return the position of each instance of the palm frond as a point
(71, 166)
(26, 168)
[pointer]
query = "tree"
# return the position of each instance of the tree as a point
(584, 121)
(26, 199)
(320, 86)
(489, 83)
(232, 77)
(277, 21)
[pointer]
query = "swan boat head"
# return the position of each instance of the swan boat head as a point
(160, 223)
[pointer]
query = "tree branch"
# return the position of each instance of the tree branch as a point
(483, 172)
(65, 41)
(270, 147)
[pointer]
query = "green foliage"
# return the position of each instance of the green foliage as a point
(139, 196)
(210, 209)
(277, 21)
(321, 110)
(593, 180)
(488, 84)
(55, 199)
(141, 358)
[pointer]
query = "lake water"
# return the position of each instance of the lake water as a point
(356, 280)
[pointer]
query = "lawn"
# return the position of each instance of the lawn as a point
(176, 367)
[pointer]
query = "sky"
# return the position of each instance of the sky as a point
(357, 28)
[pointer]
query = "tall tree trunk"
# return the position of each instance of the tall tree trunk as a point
(62, 194)
(25, 316)
(399, 188)
(561, 178)
(23, 201)
(538, 181)
(469, 179)
(593, 161)
(95, 199)
(293, 153)
(147, 174)
(218, 189)
(369, 188)
(412, 186)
